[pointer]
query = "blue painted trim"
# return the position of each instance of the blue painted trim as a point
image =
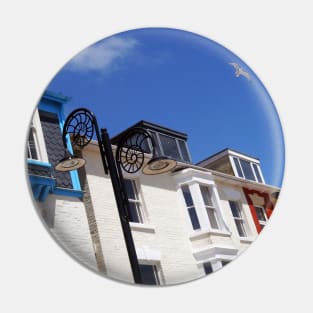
(41, 180)
(41, 186)
(68, 192)
(57, 107)
(55, 97)
(75, 180)
(44, 193)
(38, 162)
(36, 191)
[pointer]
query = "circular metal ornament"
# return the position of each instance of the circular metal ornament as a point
(131, 150)
(79, 125)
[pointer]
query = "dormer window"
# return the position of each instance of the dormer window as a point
(235, 163)
(247, 169)
(168, 142)
(171, 147)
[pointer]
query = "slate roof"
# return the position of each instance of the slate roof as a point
(151, 126)
(54, 146)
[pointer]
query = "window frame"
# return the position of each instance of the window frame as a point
(156, 272)
(32, 134)
(253, 167)
(201, 209)
(213, 208)
(209, 264)
(156, 134)
(137, 201)
(241, 219)
(189, 207)
(262, 223)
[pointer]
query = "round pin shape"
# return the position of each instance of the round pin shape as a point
(155, 157)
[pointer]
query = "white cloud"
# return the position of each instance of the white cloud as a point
(102, 56)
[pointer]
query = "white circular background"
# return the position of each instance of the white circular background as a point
(38, 38)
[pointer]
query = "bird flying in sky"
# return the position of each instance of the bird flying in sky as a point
(240, 71)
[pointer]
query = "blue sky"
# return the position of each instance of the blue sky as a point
(179, 80)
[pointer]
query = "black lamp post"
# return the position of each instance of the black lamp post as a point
(81, 125)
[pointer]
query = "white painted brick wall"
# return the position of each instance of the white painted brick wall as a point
(110, 230)
(67, 222)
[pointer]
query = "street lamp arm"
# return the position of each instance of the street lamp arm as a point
(80, 126)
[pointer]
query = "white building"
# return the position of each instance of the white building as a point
(185, 224)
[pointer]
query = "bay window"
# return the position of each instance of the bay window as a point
(203, 209)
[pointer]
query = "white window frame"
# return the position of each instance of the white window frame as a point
(188, 207)
(252, 168)
(211, 208)
(151, 256)
(194, 178)
(202, 209)
(40, 146)
(32, 131)
(138, 201)
(262, 223)
(241, 219)
(215, 254)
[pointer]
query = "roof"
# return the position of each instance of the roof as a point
(223, 152)
(151, 126)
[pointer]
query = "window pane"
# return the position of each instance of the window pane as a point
(240, 228)
(260, 213)
(194, 218)
(257, 173)
(239, 171)
(247, 170)
(169, 146)
(149, 274)
(235, 208)
(184, 151)
(212, 218)
(134, 212)
(206, 195)
(187, 195)
(157, 145)
(130, 189)
(31, 153)
(207, 268)
(134, 205)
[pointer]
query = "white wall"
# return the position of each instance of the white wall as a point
(66, 220)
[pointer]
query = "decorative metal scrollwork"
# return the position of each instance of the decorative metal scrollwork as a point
(131, 149)
(80, 127)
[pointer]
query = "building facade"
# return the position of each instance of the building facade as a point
(185, 224)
